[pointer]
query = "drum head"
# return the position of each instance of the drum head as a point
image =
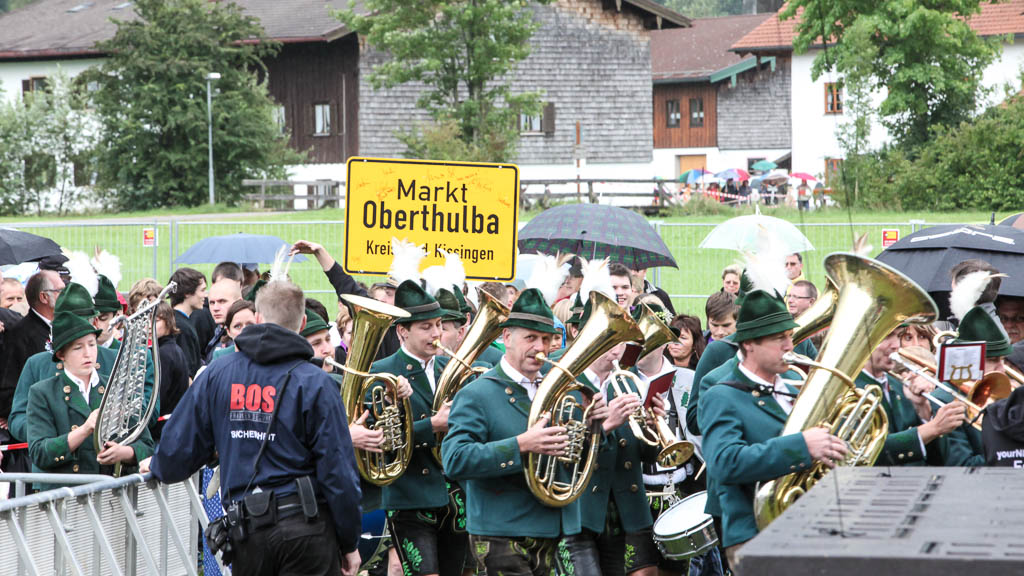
(682, 515)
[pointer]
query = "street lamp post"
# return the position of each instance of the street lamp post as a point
(210, 78)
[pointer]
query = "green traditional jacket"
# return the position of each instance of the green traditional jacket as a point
(229, 349)
(481, 451)
(55, 408)
(715, 355)
(964, 446)
(903, 444)
(41, 366)
(742, 446)
(619, 476)
(423, 485)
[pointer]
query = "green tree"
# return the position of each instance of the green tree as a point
(151, 97)
(922, 54)
(13, 142)
(461, 50)
(704, 8)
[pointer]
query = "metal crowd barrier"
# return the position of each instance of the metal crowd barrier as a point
(102, 525)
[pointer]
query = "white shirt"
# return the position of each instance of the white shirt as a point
(785, 402)
(426, 365)
(84, 388)
(598, 383)
(530, 385)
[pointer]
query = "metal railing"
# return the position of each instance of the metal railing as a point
(98, 525)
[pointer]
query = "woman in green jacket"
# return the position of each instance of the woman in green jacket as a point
(62, 410)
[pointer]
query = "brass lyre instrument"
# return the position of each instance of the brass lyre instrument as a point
(1015, 376)
(673, 452)
(124, 411)
(459, 370)
(974, 395)
(559, 480)
(873, 300)
(360, 391)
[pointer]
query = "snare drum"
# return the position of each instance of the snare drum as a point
(685, 530)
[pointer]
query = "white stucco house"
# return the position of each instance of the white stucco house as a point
(816, 105)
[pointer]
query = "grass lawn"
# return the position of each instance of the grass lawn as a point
(698, 274)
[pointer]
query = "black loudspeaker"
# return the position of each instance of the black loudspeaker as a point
(897, 521)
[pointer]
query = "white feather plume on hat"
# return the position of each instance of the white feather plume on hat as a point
(968, 290)
(81, 271)
(766, 268)
(596, 277)
(107, 264)
(547, 273)
(282, 262)
(451, 273)
(405, 263)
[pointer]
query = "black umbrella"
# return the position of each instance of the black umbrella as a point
(17, 247)
(596, 231)
(928, 255)
(1015, 220)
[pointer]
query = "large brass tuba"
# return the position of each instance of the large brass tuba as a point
(481, 333)
(873, 300)
(370, 321)
(559, 480)
(673, 452)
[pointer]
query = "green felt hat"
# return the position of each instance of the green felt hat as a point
(762, 315)
(464, 306)
(314, 323)
(412, 298)
(106, 297)
(450, 304)
(532, 312)
(979, 326)
(68, 327)
(75, 298)
(251, 296)
(577, 311)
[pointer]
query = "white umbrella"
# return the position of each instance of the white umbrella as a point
(749, 234)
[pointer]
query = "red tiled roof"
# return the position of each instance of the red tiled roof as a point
(775, 35)
(696, 52)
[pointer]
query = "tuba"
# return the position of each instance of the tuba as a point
(390, 414)
(124, 413)
(873, 300)
(559, 480)
(481, 333)
(673, 452)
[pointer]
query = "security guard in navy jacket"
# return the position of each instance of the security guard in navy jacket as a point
(426, 512)
(270, 396)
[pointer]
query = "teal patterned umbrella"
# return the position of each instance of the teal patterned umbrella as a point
(596, 231)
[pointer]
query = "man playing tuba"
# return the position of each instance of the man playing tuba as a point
(511, 532)
(743, 412)
(426, 512)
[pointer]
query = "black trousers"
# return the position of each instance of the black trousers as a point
(289, 547)
(499, 556)
(594, 554)
(429, 541)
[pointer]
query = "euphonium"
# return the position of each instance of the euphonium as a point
(559, 480)
(359, 392)
(873, 300)
(818, 316)
(481, 333)
(674, 452)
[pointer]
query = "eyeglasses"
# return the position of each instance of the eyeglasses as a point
(790, 264)
(55, 290)
(797, 297)
(1011, 319)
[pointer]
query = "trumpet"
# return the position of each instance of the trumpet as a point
(391, 414)
(673, 452)
(974, 395)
